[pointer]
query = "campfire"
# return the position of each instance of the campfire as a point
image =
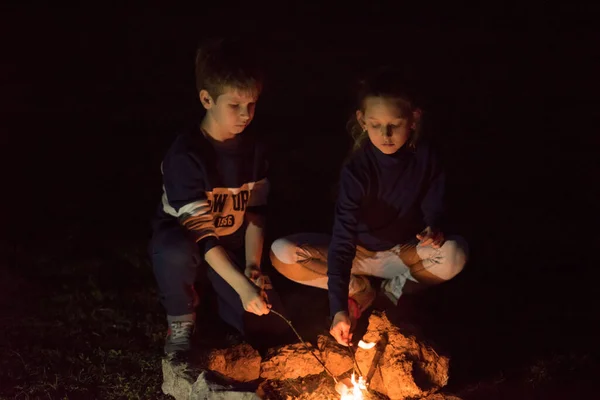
(354, 389)
(355, 392)
(385, 364)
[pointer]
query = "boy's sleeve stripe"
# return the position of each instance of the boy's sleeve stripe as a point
(199, 233)
(196, 223)
(195, 216)
(199, 224)
(259, 193)
(195, 208)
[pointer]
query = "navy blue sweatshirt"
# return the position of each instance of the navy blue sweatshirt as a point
(208, 186)
(384, 200)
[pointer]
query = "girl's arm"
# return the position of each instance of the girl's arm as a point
(343, 242)
(255, 217)
(432, 204)
(254, 242)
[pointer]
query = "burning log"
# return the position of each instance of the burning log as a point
(381, 345)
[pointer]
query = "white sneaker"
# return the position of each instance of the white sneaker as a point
(392, 288)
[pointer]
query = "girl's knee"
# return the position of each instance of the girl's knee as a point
(455, 256)
(283, 251)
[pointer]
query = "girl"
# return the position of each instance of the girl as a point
(387, 216)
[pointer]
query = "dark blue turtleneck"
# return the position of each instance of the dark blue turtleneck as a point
(384, 200)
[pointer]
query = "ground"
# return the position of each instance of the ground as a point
(81, 319)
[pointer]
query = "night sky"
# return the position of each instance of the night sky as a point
(92, 98)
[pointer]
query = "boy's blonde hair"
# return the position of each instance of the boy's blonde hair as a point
(386, 82)
(222, 63)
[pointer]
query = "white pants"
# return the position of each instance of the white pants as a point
(302, 258)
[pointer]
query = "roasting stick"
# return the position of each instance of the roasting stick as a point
(305, 345)
(352, 354)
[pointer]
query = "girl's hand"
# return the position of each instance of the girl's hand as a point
(431, 237)
(253, 272)
(340, 328)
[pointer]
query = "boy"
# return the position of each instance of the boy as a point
(214, 192)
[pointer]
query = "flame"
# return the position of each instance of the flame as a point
(366, 345)
(354, 393)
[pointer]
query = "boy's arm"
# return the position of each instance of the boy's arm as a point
(252, 301)
(185, 199)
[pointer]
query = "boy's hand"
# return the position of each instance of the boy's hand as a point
(252, 299)
(255, 301)
(255, 275)
(431, 237)
(340, 328)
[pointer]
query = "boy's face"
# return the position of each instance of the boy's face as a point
(385, 123)
(232, 111)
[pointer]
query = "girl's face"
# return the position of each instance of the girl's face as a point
(388, 127)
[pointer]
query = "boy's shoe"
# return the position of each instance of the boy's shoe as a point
(392, 288)
(179, 337)
(361, 296)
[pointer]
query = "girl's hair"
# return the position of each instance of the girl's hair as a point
(229, 62)
(389, 83)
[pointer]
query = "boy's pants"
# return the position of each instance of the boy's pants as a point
(176, 260)
(302, 258)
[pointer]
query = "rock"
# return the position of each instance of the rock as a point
(395, 379)
(337, 358)
(205, 389)
(177, 379)
(289, 362)
(184, 383)
(407, 368)
(240, 363)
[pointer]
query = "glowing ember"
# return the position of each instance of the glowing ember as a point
(354, 393)
(365, 345)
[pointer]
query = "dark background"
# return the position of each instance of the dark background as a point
(91, 99)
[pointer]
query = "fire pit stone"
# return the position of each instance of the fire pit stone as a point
(240, 363)
(184, 383)
(407, 368)
(289, 362)
(336, 358)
